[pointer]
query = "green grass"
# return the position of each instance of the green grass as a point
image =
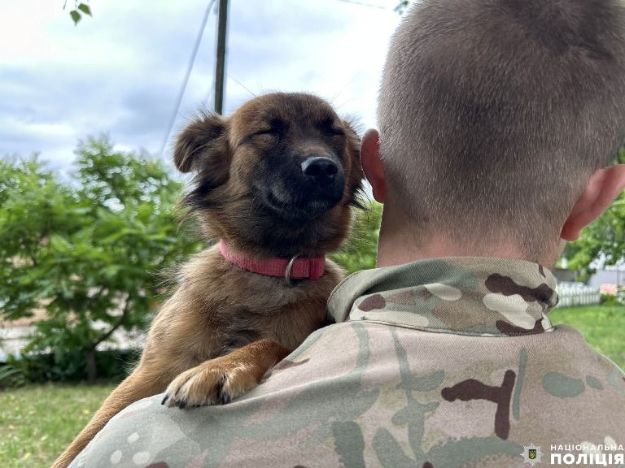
(602, 326)
(38, 421)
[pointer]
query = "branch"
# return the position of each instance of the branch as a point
(118, 324)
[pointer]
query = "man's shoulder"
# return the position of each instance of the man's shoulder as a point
(385, 395)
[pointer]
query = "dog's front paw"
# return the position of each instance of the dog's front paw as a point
(213, 382)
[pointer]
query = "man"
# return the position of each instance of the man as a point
(500, 121)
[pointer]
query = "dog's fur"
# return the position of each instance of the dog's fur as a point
(224, 327)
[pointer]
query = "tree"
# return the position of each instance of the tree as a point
(602, 241)
(88, 250)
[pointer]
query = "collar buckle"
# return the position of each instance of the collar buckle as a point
(288, 269)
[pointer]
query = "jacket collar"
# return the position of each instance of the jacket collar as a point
(462, 295)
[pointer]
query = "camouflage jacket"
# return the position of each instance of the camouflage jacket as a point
(438, 363)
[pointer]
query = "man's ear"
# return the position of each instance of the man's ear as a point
(603, 187)
(203, 142)
(372, 163)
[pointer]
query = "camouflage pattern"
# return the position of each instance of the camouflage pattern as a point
(438, 363)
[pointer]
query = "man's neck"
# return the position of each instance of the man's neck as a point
(397, 247)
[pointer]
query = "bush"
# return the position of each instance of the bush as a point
(89, 249)
(10, 376)
(609, 300)
(71, 366)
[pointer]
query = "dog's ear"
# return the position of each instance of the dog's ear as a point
(203, 143)
(353, 141)
(356, 175)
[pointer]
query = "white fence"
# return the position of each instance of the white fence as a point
(575, 294)
(13, 340)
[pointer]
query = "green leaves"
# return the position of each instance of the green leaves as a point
(80, 8)
(75, 15)
(87, 248)
(603, 240)
(60, 245)
(84, 8)
(360, 250)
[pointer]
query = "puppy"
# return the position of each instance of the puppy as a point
(274, 183)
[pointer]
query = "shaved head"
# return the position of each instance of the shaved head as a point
(493, 114)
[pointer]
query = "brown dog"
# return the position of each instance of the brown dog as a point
(273, 181)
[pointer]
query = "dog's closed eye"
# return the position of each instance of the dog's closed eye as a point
(336, 131)
(266, 131)
(274, 128)
(330, 127)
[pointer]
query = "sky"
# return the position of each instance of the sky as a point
(120, 71)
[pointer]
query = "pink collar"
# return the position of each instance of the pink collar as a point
(294, 268)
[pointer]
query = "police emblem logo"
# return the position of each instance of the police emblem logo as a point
(532, 454)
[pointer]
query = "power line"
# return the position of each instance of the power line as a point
(211, 91)
(240, 84)
(196, 46)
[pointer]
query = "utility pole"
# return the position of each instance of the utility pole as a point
(220, 66)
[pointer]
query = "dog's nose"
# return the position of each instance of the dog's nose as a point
(320, 169)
